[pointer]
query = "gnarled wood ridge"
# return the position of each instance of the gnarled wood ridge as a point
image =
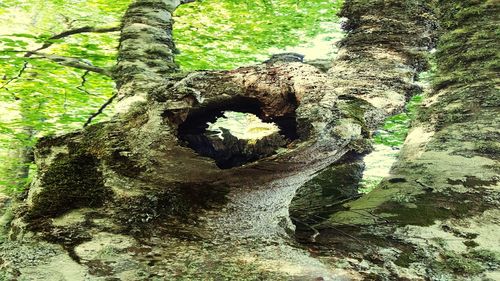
(138, 174)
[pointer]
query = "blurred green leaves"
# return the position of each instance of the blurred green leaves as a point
(232, 33)
(396, 127)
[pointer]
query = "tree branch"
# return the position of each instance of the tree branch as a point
(21, 71)
(85, 29)
(74, 62)
(100, 110)
(82, 84)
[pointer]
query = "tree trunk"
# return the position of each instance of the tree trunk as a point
(439, 208)
(140, 157)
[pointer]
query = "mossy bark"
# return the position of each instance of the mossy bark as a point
(137, 160)
(451, 145)
(447, 174)
(150, 185)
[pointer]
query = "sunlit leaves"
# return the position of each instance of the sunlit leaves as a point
(231, 33)
(395, 128)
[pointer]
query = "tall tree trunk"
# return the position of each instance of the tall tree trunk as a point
(443, 194)
(146, 50)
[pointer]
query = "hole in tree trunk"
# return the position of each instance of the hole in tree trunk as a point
(235, 132)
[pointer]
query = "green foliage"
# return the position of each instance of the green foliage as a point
(392, 134)
(395, 128)
(230, 33)
(367, 184)
(39, 97)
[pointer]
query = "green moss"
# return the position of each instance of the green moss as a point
(471, 244)
(429, 207)
(113, 147)
(490, 148)
(473, 182)
(478, 92)
(148, 4)
(467, 52)
(490, 259)
(352, 107)
(361, 146)
(469, 263)
(92, 133)
(400, 26)
(405, 259)
(45, 144)
(143, 213)
(156, 52)
(460, 264)
(72, 181)
(321, 196)
(423, 215)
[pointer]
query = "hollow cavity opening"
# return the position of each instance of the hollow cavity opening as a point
(236, 132)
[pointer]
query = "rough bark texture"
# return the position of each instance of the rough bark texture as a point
(146, 50)
(443, 194)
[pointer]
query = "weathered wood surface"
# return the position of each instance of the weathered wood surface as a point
(439, 208)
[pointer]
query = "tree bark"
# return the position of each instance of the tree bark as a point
(437, 209)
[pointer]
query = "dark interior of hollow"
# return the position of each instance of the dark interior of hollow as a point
(192, 130)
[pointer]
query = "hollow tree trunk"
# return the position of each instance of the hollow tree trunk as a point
(136, 168)
(439, 208)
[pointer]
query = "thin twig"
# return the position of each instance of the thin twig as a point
(81, 87)
(74, 62)
(19, 74)
(101, 109)
(85, 29)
